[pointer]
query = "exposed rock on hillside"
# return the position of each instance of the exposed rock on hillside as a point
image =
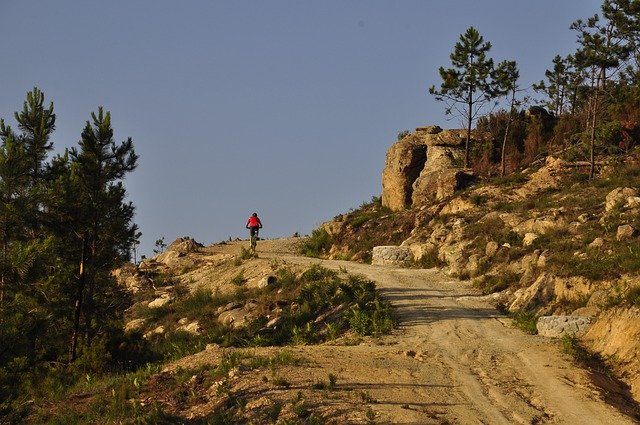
(613, 336)
(405, 160)
(424, 167)
(541, 242)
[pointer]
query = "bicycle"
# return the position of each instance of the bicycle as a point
(254, 232)
(254, 242)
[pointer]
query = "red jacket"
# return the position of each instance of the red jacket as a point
(254, 222)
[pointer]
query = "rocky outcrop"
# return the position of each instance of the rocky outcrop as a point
(405, 160)
(616, 334)
(424, 167)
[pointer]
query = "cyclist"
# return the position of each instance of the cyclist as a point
(254, 225)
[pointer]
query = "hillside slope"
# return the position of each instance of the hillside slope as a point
(454, 359)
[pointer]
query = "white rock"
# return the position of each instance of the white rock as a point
(160, 302)
(529, 238)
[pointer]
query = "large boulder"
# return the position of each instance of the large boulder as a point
(391, 256)
(559, 326)
(438, 185)
(619, 196)
(441, 175)
(405, 160)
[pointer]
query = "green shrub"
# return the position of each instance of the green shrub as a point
(239, 279)
(490, 284)
(633, 296)
(526, 322)
(429, 260)
(245, 253)
(196, 304)
(317, 244)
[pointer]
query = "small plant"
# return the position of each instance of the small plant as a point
(239, 279)
(332, 381)
(370, 416)
(279, 381)
(245, 254)
(526, 322)
(366, 397)
(273, 412)
(160, 245)
(402, 134)
(333, 331)
(317, 244)
(490, 284)
(429, 260)
(633, 296)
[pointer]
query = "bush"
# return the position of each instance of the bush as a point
(526, 322)
(317, 244)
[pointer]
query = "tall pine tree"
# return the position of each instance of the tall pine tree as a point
(104, 229)
(469, 84)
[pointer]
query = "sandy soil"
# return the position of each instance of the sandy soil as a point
(453, 359)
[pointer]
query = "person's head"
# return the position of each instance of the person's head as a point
(254, 214)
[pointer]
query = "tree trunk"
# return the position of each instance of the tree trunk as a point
(90, 288)
(594, 121)
(469, 122)
(79, 297)
(504, 142)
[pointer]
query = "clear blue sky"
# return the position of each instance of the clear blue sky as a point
(285, 108)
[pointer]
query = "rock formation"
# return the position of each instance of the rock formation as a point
(424, 166)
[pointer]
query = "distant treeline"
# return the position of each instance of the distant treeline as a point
(592, 96)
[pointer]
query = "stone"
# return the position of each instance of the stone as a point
(235, 318)
(529, 238)
(625, 232)
(134, 325)
(539, 293)
(391, 255)
(438, 185)
(547, 177)
(404, 162)
(157, 331)
(430, 129)
(583, 218)
(267, 281)
(192, 328)
(274, 322)
(618, 197)
(456, 206)
(633, 202)
(160, 302)
(559, 326)
(597, 243)
(491, 249)
(539, 225)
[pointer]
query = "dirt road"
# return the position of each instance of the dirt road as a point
(454, 359)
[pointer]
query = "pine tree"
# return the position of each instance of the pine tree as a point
(556, 89)
(468, 85)
(506, 76)
(104, 232)
(13, 197)
(36, 123)
(602, 50)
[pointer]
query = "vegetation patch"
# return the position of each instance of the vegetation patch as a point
(525, 321)
(315, 306)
